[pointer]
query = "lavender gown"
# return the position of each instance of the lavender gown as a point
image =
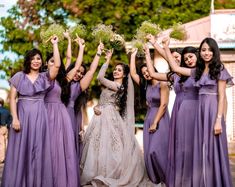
(75, 91)
(182, 124)
(155, 144)
(28, 158)
(211, 162)
(64, 159)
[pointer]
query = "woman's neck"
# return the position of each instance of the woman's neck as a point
(118, 81)
(206, 70)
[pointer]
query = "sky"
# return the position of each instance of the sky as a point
(4, 6)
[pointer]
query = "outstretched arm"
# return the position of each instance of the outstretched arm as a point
(133, 72)
(101, 76)
(171, 61)
(69, 51)
(156, 46)
(164, 93)
(53, 71)
(151, 70)
(86, 80)
(72, 72)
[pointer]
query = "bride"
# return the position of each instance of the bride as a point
(111, 154)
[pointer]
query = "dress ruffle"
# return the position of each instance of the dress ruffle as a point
(20, 81)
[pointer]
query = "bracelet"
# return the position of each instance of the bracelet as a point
(98, 54)
(219, 116)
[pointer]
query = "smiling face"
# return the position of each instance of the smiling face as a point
(145, 73)
(190, 59)
(177, 57)
(206, 53)
(118, 72)
(36, 62)
(80, 74)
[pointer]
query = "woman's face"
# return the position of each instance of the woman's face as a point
(145, 73)
(190, 59)
(206, 53)
(36, 62)
(80, 74)
(118, 72)
(177, 57)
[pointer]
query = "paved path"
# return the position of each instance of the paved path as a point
(232, 164)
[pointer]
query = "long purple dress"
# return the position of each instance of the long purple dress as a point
(75, 91)
(28, 158)
(64, 159)
(182, 124)
(155, 144)
(211, 162)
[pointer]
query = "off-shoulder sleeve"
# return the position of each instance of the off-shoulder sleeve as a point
(16, 79)
(224, 75)
(107, 83)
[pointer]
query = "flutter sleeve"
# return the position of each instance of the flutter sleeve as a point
(107, 83)
(16, 79)
(224, 75)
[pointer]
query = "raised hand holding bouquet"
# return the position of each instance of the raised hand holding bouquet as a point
(47, 34)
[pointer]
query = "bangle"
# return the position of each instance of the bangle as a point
(219, 116)
(98, 54)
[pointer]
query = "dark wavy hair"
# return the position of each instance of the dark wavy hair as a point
(121, 95)
(143, 82)
(82, 99)
(186, 50)
(63, 82)
(28, 58)
(215, 65)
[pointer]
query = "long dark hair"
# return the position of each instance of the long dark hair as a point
(143, 82)
(82, 99)
(121, 95)
(63, 82)
(215, 65)
(186, 50)
(28, 58)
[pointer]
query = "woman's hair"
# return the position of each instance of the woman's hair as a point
(82, 99)
(178, 50)
(215, 65)
(63, 82)
(143, 82)
(186, 50)
(121, 95)
(28, 58)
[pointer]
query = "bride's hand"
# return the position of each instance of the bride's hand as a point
(97, 110)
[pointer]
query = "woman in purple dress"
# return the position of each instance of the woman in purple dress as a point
(156, 123)
(210, 156)
(80, 82)
(28, 158)
(63, 151)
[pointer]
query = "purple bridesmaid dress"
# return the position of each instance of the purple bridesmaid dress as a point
(211, 162)
(182, 124)
(64, 159)
(155, 144)
(28, 158)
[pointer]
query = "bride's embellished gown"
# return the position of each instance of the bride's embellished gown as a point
(111, 154)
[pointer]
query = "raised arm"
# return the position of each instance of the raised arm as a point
(220, 108)
(69, 50)
(13, 109)
(133, 72)
(164, 93)
(72, 72)
(53, 71)
(151, 70)
(86, 80)
(171, 60)
(101, 76)
(156, 46)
